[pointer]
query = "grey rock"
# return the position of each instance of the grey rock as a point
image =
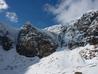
(34, 42)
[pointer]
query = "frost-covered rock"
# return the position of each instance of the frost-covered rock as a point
(5, 40)
(6, 43)
(83, 31)
(89, 53)
(34, 42)
(92, 32)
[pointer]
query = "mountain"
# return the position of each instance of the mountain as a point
(60, 49)
(8, 36)
(33, 42)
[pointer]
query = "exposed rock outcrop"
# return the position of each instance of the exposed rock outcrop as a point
(83, 31)
(5, 40)
(34, 42)
(6, 43)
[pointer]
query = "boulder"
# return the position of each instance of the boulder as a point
(78, 73)
(34, 42)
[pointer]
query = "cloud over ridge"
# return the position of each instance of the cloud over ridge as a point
(67, 10)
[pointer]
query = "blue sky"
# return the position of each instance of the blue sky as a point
(30, 10)
(44, 13)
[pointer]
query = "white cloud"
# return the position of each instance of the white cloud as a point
(9, 15)
(68, 10)
(3, 5)
(12, 16)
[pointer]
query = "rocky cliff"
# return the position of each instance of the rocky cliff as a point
(34, 42)
(82, 32)
(31, 41)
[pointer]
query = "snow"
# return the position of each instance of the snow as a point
(63, 61)
(55, 28)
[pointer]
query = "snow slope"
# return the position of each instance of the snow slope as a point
(55, 29)
(63, 61)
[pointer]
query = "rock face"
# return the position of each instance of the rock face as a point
(88, 24)
(5, 40)
(83, 31)
(34, 42)
(6, 43)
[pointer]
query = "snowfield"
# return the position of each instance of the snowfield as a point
(63, 61)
